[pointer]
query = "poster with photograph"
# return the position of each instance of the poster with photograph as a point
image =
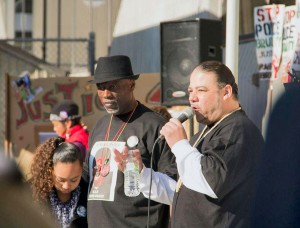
(103, 170)
(23, 89)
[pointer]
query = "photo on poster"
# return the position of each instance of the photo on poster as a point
(103, 170)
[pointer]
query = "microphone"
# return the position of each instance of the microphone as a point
(186, 114)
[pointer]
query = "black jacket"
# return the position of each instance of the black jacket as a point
(80, 213)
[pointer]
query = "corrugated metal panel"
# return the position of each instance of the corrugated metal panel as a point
(253, 97)
(142, 47)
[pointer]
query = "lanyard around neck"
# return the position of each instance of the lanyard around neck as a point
(121, 129)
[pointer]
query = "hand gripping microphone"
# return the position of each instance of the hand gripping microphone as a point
(186, 114)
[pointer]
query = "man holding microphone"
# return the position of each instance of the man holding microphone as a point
(217, 167)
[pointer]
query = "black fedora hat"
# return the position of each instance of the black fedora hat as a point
(113, 68)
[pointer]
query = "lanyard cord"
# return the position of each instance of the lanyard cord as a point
(201, 137)
(121, 129)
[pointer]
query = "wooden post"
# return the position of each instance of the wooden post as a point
(7, 147)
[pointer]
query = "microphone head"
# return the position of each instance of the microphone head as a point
(186, 114)
(189, 112)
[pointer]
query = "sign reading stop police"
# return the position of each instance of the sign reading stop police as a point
(268, 25)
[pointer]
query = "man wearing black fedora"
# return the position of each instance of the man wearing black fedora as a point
(108, 206)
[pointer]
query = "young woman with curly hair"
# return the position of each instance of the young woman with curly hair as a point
(56, 182)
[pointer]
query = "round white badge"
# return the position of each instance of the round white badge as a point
(132, 141)
(81, 211)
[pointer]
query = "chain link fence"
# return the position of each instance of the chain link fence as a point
(73, 56)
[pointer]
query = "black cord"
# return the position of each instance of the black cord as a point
(149, 198)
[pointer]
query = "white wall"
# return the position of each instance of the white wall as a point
(139, 15)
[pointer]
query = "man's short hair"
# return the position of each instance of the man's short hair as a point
(223, 73)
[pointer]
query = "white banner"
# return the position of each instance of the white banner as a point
(289, 43)
(296, 58)
(268, 27)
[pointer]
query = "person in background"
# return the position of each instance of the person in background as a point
(218, 166)
(16, 208)
(108, 206)
(56, 182)
(277, 199)
(163, 111)
(67, 124)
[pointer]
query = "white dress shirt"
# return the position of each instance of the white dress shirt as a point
(188, 161)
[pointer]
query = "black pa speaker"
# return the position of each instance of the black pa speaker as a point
(184, 44)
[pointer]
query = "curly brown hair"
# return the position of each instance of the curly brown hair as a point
(42, 168)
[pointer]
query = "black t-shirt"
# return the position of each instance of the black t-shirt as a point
(231, 152)
(126, 211)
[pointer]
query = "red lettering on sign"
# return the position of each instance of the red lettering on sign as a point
(66, 89)
(24, 115)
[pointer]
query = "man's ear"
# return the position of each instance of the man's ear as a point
(132, 85)
(227, 92)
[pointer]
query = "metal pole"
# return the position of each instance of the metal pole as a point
(91, 17)
(23, 21)
(109, 32)
(191, 126)
(44, 29)
(58, 32)
(91, 58)
(7, 117)
(74, 16)
(232, 36)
